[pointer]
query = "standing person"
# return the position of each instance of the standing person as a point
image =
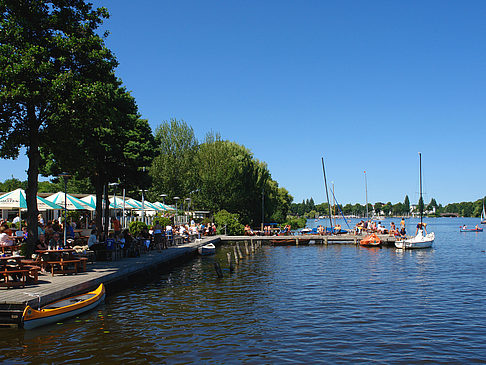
(116, 225)
(40, 218)
(402, 223)
(158, 236)
(16, 220)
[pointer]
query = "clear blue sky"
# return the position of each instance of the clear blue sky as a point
(366, 84)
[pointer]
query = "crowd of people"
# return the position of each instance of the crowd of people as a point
(51, 235)
(365, 227)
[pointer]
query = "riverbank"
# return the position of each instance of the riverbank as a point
(111, 273)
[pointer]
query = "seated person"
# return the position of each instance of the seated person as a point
(403, 233)
(92, 240)
(41, 243)
(5, 238)
(55, 241)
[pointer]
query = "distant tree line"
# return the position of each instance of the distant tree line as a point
(309, 209)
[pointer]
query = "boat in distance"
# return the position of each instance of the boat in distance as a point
(471, 229)
(208, 249)
(62, 309)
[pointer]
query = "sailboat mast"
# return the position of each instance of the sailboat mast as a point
(327, 194)
(421, 207)
(366, 189)
(333, 205)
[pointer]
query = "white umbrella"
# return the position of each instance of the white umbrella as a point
(71, 202)
(16, 200)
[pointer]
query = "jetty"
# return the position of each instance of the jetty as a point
(303, 239)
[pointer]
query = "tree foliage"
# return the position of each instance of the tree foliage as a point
(47, 48)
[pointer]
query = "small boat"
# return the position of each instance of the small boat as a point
(371, 241)
(208, 249)
(471, 229)
(483, 215)
(62, 309)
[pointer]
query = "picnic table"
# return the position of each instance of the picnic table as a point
(10, 249)
(13, 277)
(62, 261)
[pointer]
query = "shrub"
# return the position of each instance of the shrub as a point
(230, 220)
(163, 221)
(296, 222)
(136, 228)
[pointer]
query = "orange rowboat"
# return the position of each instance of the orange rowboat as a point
(63, 308)
(371, 241)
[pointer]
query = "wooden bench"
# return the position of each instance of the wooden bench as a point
(33, 276)
(10, 282)
(63, 264)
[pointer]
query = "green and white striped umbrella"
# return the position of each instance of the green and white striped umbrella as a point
(162, 206)
(118, 204)
(16, 200)
(72, 203)
(146, 205)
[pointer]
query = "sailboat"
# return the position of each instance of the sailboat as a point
(422, 239)
(483, 215)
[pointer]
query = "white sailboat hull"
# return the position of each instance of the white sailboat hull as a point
(419, 241)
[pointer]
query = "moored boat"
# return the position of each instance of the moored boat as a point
(62, 309)
(422, 239)
(419, 241)
(371, 241)
(208, 249)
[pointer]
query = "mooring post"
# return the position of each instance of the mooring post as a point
(296, 241)
(217, 267)
(246, 248)
(230, 263)
(252, 247)
(236, 256)
(325, 241)
(239, 251)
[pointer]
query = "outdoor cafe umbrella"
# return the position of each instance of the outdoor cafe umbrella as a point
(72, 203)
(146, 205)
(16, 200)
(117, 203)
(162, 206)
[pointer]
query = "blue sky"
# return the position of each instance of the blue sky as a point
(366, 84)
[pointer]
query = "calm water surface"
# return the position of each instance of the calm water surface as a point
(334, 304)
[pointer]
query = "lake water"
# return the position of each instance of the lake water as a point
(325, 304)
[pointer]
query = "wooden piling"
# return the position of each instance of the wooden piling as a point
(236, 256)
(239, 251)
(218, 269)
(246, 248)
(230, 262)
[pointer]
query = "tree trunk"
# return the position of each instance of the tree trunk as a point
(98, 184)
(32, 181)
(107, 211)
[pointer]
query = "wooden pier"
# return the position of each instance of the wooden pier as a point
(387, 240)
(111, 273)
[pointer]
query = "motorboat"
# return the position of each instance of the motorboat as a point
(209, 249)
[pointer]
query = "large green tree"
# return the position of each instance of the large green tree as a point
(113, 143)
(46, 47)
(173, 169)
